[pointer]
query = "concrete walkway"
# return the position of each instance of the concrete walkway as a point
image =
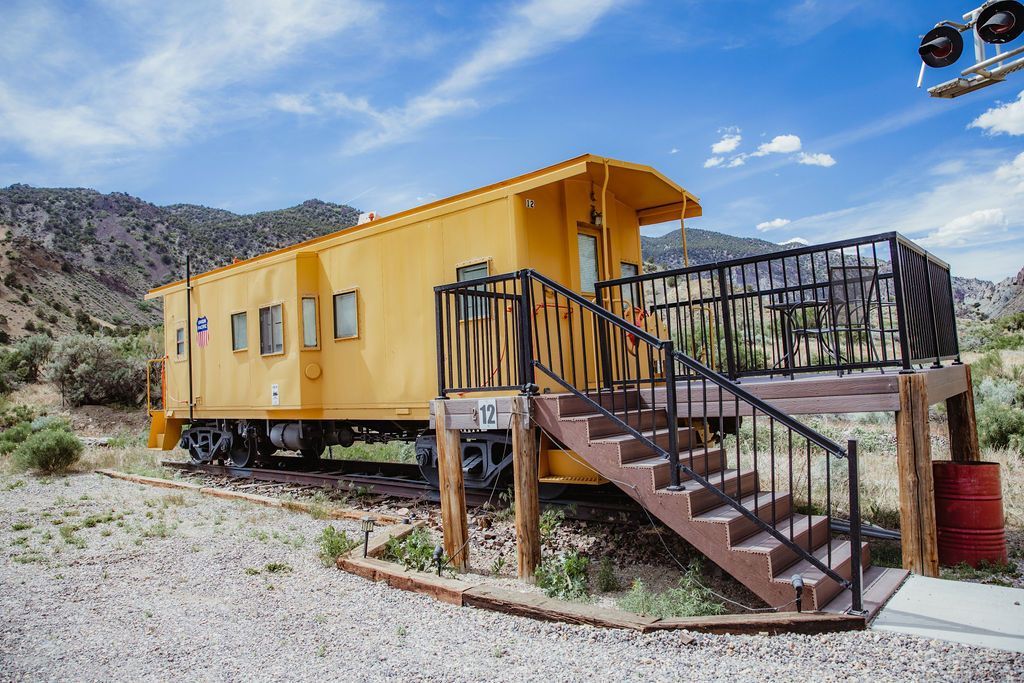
(971, 613)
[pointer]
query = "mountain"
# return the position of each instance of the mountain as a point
(704, 246)
(976, 299)
(73, 258)
(982, 299)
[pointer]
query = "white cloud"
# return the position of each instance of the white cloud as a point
(942, 215)
(533, 28)
(983, 225)
(737, 161)
(822, 159)
(713, 161)
(294, 104)
(728, 143)
(1007, 118)
(796, 240)
(674, 150)
(191, 54)
(773, 224)
(780, 144)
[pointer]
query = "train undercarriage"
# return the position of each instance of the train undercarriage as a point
(486, 457)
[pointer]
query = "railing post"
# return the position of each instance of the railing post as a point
(672, 409)
(901, 304)
(931, 310)
(526, 372)
(956, 333)
(856, 570)
(439, 332)
(602, 345)
(730, 356)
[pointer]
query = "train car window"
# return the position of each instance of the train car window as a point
(587, 245)
(628, 270)
(271, 330)
(309, 332)
(179, 342)
(346, 316)
(239, 332)
(472, 307)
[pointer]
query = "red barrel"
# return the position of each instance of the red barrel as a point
(969, 513)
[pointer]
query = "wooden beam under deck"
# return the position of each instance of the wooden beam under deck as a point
(864, 392)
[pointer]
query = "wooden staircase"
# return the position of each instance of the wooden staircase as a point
(736, 543)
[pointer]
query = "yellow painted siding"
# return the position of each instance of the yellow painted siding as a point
(388, 371)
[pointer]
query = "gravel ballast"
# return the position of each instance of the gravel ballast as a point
(168, 585)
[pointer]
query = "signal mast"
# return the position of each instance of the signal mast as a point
(996, 23)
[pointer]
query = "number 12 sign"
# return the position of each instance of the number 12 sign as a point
(487, 413)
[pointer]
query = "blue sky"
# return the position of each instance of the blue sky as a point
(790, 119)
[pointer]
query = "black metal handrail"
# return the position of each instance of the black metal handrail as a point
(629, 375)
(852, 305)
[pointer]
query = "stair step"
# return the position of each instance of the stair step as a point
(825, 588)
(662, 471)
(879, 585)
(780, 556)
(600, 425)
(702, 499)
(740, 526)
(631, 448)
(570, 405)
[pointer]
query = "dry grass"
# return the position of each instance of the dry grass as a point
(132, 459)
(877, 469)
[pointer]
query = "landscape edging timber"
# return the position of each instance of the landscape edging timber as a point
(330, 512)
(472, 593)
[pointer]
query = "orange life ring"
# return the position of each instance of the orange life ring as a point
(638, 316)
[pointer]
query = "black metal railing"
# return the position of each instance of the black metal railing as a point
(866, 303)
(495, 333)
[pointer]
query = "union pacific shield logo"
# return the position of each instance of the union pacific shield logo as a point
(202, 331)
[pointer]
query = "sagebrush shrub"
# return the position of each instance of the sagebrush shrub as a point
(334, 543)
(98, 371)
(1001, 425)
(415, 551)
(689, 599)
(51, 450)
(12, 437)
(564, 576)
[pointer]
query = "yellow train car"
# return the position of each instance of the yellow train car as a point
(333, 340)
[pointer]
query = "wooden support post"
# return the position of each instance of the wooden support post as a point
(963, 427)
(454, 522)
(527, 496)
(917, 494)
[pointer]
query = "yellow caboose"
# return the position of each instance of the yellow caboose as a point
(333, 340)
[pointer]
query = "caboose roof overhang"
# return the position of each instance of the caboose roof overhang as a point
(655, 197)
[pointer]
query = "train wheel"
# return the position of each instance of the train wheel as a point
(549, 492)
(241, 457)
(198, 456)
(431, 474)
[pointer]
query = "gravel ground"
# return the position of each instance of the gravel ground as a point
(163, 585)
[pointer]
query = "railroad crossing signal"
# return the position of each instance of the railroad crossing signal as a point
(995, 23)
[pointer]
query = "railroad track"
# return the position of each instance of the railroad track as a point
(401, 480)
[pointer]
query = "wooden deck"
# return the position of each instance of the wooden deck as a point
(859, 392)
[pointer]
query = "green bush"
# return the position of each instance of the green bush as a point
(606, 579)
(689, 599)
(1001, 425)
(564, 576)
(98, 371)
(12, 414)
(51, 450)
(334, 543)
(12, 437)
(415, 551)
